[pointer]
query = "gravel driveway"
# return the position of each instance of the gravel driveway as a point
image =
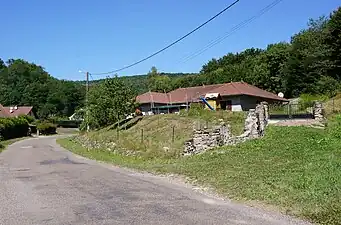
(41, 183)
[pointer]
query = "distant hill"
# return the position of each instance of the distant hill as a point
(140, 83)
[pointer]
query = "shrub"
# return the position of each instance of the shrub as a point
(307, 100)
(29, 119)
(46, 128)
(68, 123)
(13, 127)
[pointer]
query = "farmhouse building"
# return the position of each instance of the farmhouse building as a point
(14, 111)
(234, 96)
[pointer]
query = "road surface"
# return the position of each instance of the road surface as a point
(41, 183)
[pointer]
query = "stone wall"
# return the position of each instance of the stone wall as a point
(318, 111)
(205, 139)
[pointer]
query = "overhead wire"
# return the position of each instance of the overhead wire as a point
(229, 33)
(173, 43)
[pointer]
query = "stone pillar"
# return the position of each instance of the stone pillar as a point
(318, 111)
(263, 116)
(225, 134)
(266, 111)
(251, 124)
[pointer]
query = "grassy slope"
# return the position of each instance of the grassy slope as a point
(296, 169)
(152, 135)
(333, 105)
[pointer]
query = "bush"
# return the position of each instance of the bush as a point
(68, 123)
(307, 100)
(13, 128)
(29, 119)
(46, 128)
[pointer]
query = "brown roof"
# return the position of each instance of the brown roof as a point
(153, 97)
(192, 94)
(3, 112)
(21, 110)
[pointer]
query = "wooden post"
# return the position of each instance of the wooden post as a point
(173, 134)
(141, 135)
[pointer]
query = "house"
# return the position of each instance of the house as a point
(14, 111)
(234, 96)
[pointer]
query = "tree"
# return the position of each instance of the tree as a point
(308, 61)
(109, 102)
(333, 40)
(24, 83)
(158, 82)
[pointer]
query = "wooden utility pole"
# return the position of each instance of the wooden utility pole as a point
(86, 102)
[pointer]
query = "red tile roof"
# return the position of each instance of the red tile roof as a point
(192, 94)
(152, 97)
(21, 110)
(3, 112)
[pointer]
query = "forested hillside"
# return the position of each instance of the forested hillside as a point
(141, 84)
(310, 63)
(24, 83)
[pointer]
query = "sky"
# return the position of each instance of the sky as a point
(67, 36)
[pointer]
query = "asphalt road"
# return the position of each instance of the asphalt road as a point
(41, 183)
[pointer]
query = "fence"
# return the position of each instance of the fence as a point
(167, 138)
(291, 111)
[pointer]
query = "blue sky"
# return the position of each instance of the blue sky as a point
(68, 35)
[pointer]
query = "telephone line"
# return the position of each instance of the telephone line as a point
(229, 33)
(173, 43)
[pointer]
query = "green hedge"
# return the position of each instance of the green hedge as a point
(68, 123)
(46, 128)
(13, 127)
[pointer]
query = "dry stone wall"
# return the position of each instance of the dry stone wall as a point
(205, 139)
(318, 111)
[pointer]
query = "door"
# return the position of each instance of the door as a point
(223, 105)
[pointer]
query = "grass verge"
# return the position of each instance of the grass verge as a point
(4, 144)
(297, 169)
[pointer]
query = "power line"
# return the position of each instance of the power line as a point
(173, 43)
(230, 32)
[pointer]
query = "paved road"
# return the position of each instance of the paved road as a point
(41, 183)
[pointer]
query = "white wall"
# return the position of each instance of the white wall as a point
(243, 102)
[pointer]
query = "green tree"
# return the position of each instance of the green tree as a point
(308, 61)
(109, 102)
(334, 42)
(158, 82)
(24, 83)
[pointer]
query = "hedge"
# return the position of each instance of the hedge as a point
(46, 128)
(13, 127)
(68, 123)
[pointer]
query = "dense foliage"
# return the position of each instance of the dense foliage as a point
(13, 127)
(109, 101)
(142, 83)
(46, 128)
(24, 83)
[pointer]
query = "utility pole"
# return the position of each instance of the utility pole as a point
(86, 102)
